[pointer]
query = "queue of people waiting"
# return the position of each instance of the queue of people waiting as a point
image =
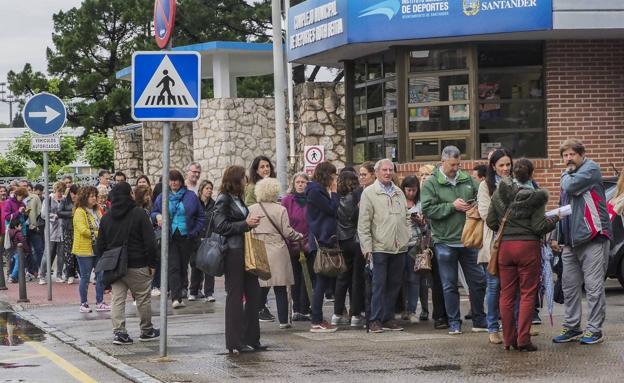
(398, 240)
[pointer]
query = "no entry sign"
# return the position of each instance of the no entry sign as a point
(164, 19)
(314, 155)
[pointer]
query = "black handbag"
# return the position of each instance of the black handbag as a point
(114, 262)
(211, 254)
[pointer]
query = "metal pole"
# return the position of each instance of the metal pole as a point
(164, 242)
(10, 114)
(280, 98)
(46, 199)
(21, 275)
(291, 101)
(2, 252)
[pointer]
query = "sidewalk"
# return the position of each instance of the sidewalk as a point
(197, 350)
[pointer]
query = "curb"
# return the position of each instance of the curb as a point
(133, 374)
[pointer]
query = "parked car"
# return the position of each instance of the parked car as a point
(616, 253)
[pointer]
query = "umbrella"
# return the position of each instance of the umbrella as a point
(548, 288)
(306, 274)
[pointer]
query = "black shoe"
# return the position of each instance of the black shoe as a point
(258, 347)
(440, 324)
(265, 315)
(298, 317)
(468, 316)
(152, 334)
(527, 348)
(122, 339)
(536, 320)
(424, 316)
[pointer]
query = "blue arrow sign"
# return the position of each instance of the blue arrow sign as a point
(166, 86)
(44, 113)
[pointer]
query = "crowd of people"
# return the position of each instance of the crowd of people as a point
(381, 226)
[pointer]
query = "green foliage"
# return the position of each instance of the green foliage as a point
(99, 151)
(20, 148)
(12, 166)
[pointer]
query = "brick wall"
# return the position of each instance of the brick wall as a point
(585, 100)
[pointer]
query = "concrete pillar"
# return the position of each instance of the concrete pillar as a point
(221, 75)
(233, 87)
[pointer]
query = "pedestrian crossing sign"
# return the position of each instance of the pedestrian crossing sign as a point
(166, 86)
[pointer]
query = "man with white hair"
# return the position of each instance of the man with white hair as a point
(193, 172)
(446, 197)
(383, 230)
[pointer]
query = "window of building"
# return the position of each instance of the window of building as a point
(375, 105)
(476, 97)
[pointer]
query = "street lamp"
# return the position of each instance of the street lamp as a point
(8, 98)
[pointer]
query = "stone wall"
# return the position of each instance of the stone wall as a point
(128, 152)
(320, 113)
(181, 148)
(232, 131)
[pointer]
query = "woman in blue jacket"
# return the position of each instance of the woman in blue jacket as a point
(321, 212)
(186, 223)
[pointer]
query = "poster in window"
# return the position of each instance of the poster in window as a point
(487, 147)
(419, 93)
(379, 124)
(371, 126)
(489, 91)
(459, 112)
(390, 123)
(358, 153)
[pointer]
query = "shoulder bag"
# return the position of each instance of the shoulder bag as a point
(211, 254)
(329, 261)
(472, 234)
(422, 258)
(114, 262)
(256, 259)
(492, 267)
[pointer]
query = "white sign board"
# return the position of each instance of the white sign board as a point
(313, 155)
(45, 144)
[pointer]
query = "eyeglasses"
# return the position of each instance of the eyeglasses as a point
(363, 175)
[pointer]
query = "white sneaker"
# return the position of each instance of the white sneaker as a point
(70, 280)
(357, 321)
(210, 299)
(284, 326)
(155, 292)
(59, 280)
(338, 320)
(413, 318)
(192, 297)
(42, 281)
(177, 304)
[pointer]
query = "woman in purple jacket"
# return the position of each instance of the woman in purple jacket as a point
(295, 204)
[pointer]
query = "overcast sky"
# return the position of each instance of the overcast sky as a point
(26, 32)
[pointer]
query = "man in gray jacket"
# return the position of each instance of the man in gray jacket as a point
(585, 238)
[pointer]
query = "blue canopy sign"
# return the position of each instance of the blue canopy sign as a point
(320, 25)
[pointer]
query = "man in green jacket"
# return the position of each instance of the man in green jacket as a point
(446, 196)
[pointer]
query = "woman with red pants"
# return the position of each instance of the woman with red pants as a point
(519, 260)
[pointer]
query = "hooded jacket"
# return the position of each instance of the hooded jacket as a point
(437, 198)
(127, 222)
(526, 220)
(321, 213)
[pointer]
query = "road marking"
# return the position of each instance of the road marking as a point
(62, 363)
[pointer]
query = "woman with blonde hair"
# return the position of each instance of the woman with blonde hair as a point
(86, 225)
(276, 232)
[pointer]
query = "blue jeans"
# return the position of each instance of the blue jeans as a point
(318, 295)
(388, 270)
(37, 244)
(86, 265)
(492, 295)
(448, 258)
(417, 287)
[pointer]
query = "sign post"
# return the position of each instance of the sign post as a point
(45, 114)
(166, 86)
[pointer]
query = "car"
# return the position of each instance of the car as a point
(616, 252)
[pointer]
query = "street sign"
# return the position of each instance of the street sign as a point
(166, 86)
(45, 144)
(44, 113)
(313, 155)
(164, 19)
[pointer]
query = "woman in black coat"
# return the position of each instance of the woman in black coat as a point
(231, 220)
(66, 213)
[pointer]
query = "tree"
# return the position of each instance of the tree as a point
(12, 166)
(96, 40)
(20, 148)
(99, 151)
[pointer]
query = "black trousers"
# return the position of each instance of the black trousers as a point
(437, 295)
(241, 320)
(180, 250)
(301, 301)
(351, 280)
(281, 299)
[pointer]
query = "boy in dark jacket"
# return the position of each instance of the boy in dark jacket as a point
(127, 224)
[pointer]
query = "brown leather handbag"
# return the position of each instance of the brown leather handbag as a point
(472, 234)
(329, 261)
(492, 267)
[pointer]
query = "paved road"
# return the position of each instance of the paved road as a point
(196, 347)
